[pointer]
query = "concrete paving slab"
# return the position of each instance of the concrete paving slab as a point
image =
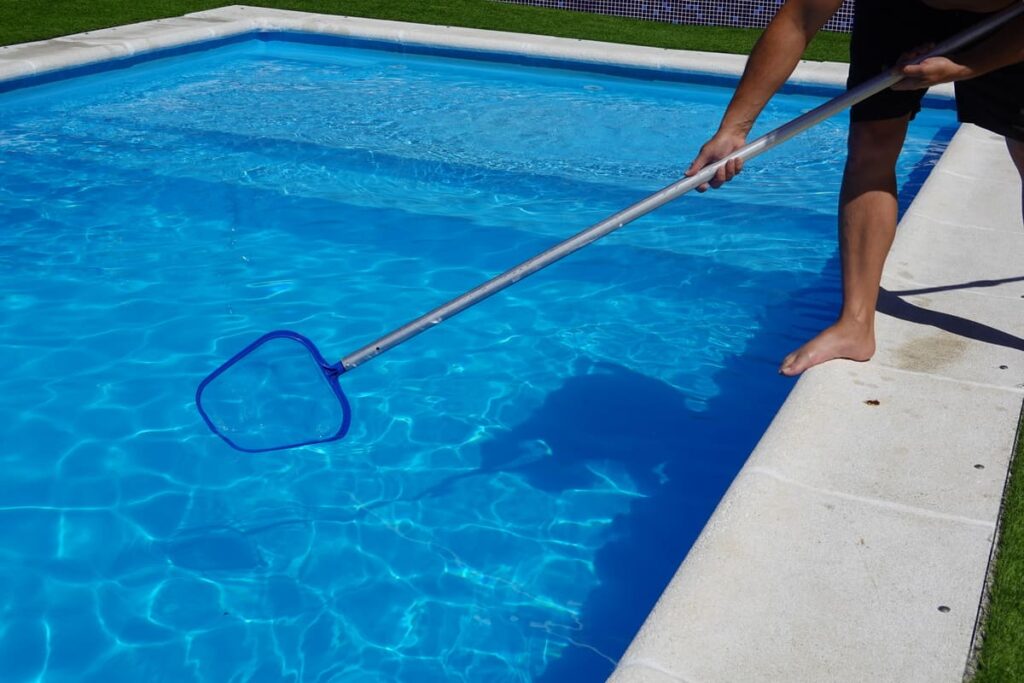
(139, 38)
(235, 13)
(977, 155)
(60, 54)
(908, 441)
(636, 672)
(11, 68)
(960, 334)
(109, 43)
(977, 171)
(159, 31)
(789, 583)
(929, 254)
(952, 205)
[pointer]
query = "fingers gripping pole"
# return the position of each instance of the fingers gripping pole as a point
(668, 193)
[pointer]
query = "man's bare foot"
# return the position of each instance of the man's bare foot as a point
(838, 341)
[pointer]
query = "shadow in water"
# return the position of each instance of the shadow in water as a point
(681, 459)
(603, 413)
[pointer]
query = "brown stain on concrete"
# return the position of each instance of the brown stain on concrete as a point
(930, 353)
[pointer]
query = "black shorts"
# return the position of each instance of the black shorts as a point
(885, 29)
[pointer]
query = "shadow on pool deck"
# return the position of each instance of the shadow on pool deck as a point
(891, 304)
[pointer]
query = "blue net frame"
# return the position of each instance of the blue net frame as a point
(331, 374)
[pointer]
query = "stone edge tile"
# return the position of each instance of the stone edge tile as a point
(918, 342)
(808, 444)
(134, 39)
(746, 620)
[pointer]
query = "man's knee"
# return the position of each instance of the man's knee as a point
(874, 146)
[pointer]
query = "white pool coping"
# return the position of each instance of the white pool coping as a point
(862, 510)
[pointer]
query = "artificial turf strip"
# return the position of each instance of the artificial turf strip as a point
(1002, 652)
(26, 20)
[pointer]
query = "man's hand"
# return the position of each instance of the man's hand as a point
(718, 147)
(932, 71)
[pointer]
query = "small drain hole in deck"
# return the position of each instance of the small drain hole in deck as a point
(943, 609)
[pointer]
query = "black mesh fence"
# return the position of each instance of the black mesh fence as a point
(740, 13)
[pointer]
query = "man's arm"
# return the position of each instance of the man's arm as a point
(771, 62)
(1003, 48)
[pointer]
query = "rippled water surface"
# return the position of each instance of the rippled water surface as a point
(519, 483)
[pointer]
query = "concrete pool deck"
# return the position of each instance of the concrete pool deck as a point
(854, 543)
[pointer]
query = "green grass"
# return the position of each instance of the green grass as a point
(25, 20)
(1002, 652)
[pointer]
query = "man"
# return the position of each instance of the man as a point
(989, 79)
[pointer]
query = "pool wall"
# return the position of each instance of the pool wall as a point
(863, 511)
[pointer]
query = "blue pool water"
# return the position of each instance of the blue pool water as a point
(519, 484)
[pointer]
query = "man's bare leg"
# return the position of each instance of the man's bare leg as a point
(867, 225)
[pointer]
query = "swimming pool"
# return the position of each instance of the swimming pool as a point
(519, 484)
